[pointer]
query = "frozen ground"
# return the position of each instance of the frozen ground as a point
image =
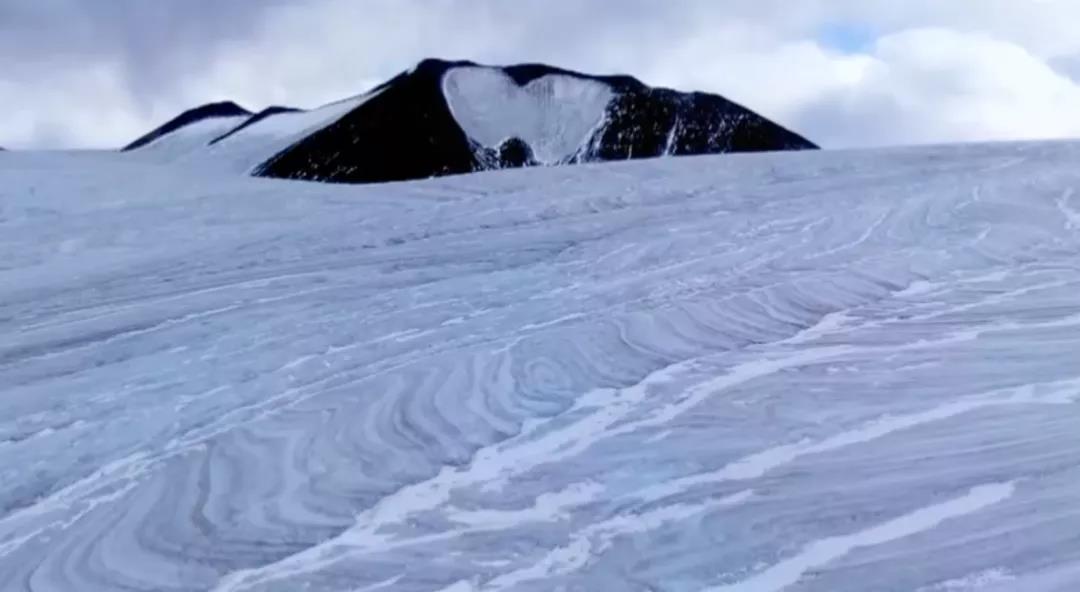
(827, 372)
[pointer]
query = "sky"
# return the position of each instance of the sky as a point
(844, 73)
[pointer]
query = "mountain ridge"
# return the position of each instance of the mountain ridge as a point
(214, 110)
(452, 117)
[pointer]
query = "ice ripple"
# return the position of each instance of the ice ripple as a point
(759, 373)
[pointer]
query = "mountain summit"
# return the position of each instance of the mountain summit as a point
(444, 118)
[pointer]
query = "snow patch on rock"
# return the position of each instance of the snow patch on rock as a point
(554, 114)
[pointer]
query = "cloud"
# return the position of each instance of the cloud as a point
(68, 107)
(938, 85)
(928, 85)
(75, 73)
(843, 72)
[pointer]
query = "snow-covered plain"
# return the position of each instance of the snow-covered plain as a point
(824, 372)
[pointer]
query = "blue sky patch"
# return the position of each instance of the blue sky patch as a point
(847, 37)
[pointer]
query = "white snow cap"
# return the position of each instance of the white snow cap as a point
(554, 114)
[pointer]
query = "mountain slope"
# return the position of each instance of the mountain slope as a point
(444, 118)
(799, 372)
(213, 115)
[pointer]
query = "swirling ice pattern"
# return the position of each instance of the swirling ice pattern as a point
(813, 372)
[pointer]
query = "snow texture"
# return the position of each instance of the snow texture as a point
(797, 372)
(554, 114)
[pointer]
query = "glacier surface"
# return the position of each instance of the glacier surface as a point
(802, 372)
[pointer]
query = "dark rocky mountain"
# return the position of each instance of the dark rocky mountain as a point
(404, 131)
(443, 118)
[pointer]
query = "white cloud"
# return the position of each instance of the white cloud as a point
(81, 106)
(940, 70)
(937, 85)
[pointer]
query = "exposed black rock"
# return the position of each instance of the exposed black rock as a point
(643, 122)
(514, 153)
(523, 74)
(407, 131)
(222, 109)
(404, 132)
(261, 115)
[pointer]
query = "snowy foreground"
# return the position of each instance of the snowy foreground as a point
(805, 372)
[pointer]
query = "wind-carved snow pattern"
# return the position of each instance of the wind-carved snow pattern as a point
(816, 372)
(554, 114)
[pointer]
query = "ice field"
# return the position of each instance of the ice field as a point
(801, 372)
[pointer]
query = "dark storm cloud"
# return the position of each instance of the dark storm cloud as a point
(156, 42)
